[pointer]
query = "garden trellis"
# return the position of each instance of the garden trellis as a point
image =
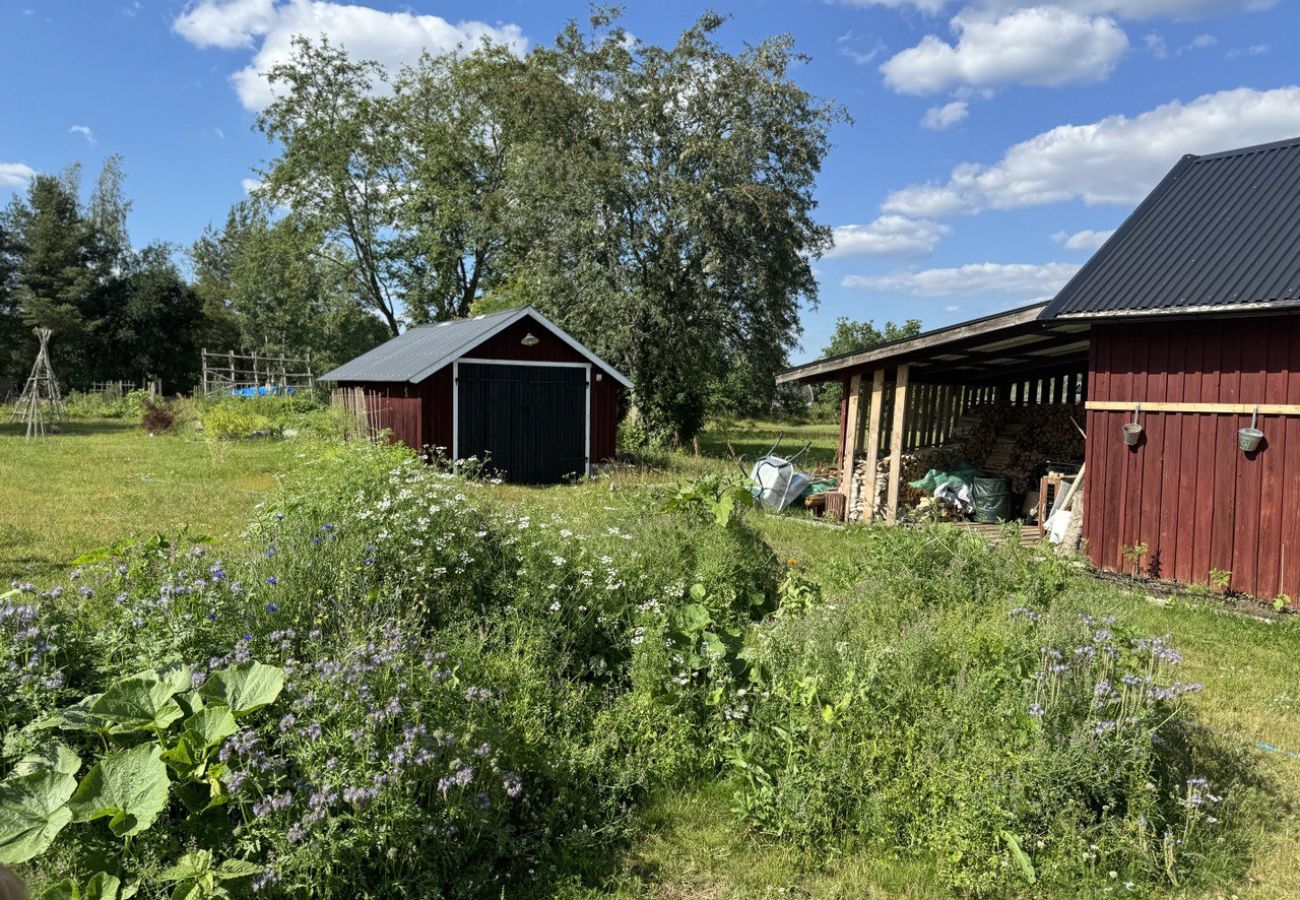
(42, 400)
(255, 373)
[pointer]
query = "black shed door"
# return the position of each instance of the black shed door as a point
(532, 420)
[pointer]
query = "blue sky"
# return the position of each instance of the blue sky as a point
(994, 142)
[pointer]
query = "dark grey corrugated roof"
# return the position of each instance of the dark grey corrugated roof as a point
(414, 350)
(1219, 233)
(418, 352)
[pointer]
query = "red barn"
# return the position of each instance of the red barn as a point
(512, 386)
(1187, 323)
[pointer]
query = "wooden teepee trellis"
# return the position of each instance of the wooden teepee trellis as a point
(41, 400)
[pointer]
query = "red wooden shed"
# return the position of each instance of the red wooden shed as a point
(510, 386)
(1187, 322)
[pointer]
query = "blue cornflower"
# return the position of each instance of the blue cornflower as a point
(273, 608)
(270, 551)
(212, 616)
(327, 527)
(272, 580)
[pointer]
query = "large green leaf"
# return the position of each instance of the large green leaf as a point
(77, 717)
(33, 810)
(138, 703)
(210, 726)
(244, 687)
(130, 787)
(51, 756)
(101, 886)
(64, 890)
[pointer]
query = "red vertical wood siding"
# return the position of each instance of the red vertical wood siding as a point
(1186, 491)
(397, 407)
(421, 415)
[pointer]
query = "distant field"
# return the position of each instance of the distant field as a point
(752, 438)
(99, 481)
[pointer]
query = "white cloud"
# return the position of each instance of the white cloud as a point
(1088, 239)
(1126, 9)
(15, 175)
(84, 131)
(250, 185)
(850, 45)
(1156, 44)
(392, 39)
(1253, 50)
(887, 236)
(1115, 160)
(927, 6)
(1018, 280)
(937, 118)
(1146, 9)
(952, 307)
(1038, 46)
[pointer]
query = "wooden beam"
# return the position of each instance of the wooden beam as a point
(1264, 409)
(896, 444)
(873, 442)
(851, 432)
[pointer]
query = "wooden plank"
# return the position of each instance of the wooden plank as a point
(1225, 455)
(896, 443)
(1150, 495)
(1207, 387)
(1250, 466)
(873, 441)
(851, 431)
(1171, 506)
(1289, 562)
(1273, 459)
(844, 421)
(1227, 409)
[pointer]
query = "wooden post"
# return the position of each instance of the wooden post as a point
(853, 414)
(205, 371)
(896, 443)
(873, 442)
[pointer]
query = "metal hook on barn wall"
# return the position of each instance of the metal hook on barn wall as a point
(1132, 431)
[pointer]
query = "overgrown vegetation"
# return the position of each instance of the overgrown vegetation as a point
(508, 685)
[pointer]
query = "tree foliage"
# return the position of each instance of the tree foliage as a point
(117, 313)
(851, 336)
(656, 201)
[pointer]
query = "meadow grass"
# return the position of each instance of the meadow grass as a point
(99, 481)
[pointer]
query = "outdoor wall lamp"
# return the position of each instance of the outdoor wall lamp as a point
(530, 340)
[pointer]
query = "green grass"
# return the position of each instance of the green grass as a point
(100, 480)
(751, 438)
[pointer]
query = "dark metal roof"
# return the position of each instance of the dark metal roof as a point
(418, 352)
(1220, 233)
(998, 345)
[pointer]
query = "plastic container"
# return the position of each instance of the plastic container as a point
(991, 498)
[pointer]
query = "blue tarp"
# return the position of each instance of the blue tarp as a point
(262, 390)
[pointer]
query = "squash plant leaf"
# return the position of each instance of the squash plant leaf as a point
(77, 717)
(130, 787)
(102, 886)
(33, 810)
(53, 756)
(244, 687)
(138, 703)
(210, 726)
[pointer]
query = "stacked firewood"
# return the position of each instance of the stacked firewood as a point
(1011, 441)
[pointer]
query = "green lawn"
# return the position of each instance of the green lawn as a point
(99, 481)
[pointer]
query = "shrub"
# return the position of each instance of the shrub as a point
(106, 405)
(1011, 737)
(157, 417)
